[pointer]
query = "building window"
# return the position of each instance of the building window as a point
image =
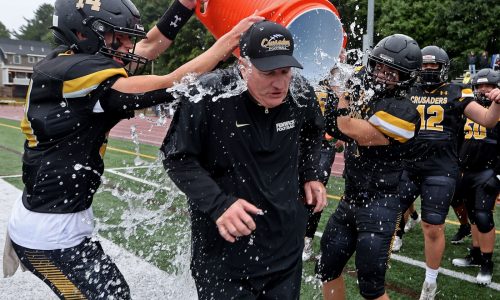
(31, 59)
(17, 59)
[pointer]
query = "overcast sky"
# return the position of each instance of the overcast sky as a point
(13, 12)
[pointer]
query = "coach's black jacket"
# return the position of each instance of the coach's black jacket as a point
(230, 148)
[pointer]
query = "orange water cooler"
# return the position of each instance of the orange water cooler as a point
(315, 25)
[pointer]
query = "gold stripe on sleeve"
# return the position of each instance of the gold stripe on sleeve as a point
(81, 86)
(394, 127)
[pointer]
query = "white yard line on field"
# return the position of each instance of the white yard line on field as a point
(138, 180)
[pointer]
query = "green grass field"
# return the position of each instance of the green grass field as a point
(139, 208)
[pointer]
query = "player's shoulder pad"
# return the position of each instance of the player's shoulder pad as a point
(83, 73)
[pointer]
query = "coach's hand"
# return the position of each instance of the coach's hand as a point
(315, 193)
(236, 220)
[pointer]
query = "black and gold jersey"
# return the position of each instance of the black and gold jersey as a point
(481, 148)
(379, 168)
(441, 109)
(65, 137)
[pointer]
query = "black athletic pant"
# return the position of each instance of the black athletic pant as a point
(80, 272)
(365, 227)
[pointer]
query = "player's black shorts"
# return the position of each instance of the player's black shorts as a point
(436, 193)
(479, 189)
(80, 272)
(366, 227)
(217, 285)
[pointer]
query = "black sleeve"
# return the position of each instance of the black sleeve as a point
(310, 140)
(183, 149)
(112, 100)
(331, 126)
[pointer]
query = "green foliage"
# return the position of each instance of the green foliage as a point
(353, 16)
(4, 32)
(37, 29)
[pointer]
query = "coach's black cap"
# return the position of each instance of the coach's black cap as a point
(269, 46)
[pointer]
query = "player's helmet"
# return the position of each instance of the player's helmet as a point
(400, 52)
(434, 55)
(485, 76)
(93, 19)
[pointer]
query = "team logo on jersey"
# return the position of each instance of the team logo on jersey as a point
(285, 125)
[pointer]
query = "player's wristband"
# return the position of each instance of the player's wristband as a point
(173, 19)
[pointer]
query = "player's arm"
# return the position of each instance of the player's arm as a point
(364, 133)
(161, 36)
(205, 62)
(487, 117)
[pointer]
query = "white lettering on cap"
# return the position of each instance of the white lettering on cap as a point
(275, 42)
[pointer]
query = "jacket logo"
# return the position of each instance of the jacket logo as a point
(285, 125)
(241, 125)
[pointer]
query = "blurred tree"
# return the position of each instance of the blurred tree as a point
(4, 32)
(456, 26)
(353, 16)
(37, 29)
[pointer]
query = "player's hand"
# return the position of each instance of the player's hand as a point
(315, 193)
(234, 35)
(237, 221)
(494, 95)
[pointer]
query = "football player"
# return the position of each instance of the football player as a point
(433, 172)
(76, 95)
(480, 182)
(379, 127)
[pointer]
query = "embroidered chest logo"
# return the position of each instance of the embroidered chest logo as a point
(285, 125)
